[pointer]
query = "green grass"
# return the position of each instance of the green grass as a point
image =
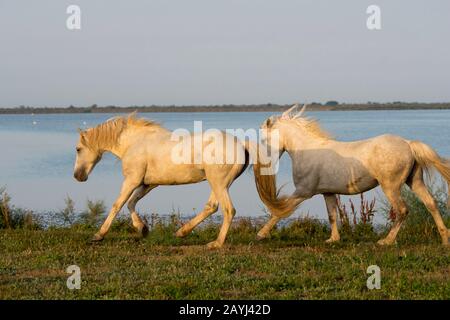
(294, 264)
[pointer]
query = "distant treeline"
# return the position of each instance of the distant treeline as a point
(269, 107)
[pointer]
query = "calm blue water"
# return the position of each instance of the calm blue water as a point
(38, 153)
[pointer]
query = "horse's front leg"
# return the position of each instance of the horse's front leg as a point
(265, 230)
(128, 186)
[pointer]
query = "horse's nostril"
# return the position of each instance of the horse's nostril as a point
(79, 176)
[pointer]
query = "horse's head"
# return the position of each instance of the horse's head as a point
(274, 129)
(86, 159)
(270, 133)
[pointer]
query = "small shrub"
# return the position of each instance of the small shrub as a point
(303, 231)
(175, 220)
(93, 214)
(363, 216)
(15, 218)
(357, 225)
(68, 213)
(243, 230)
(5, 209)
(122, 224)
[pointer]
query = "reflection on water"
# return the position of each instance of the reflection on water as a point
(38, 153)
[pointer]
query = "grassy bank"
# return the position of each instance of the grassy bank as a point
(294, 264)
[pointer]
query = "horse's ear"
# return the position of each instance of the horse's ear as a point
(302, 112)
(133, 114)
(82, 136)
(268, 123)
(287, 113)
(82, 133)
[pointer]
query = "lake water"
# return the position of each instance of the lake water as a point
(38, 153)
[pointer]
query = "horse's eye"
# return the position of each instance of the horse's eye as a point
(78, 150)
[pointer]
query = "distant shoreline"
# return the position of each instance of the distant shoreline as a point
(226, 108)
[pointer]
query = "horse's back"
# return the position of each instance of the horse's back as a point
(353, 167)
(389, 157)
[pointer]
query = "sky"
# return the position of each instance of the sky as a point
(202, 52)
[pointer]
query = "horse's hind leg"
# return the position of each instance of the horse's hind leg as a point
(211, 207)
(332, 207)
(393, 194)
(228, 213)
(138, 194)
(418, 187)
(265, 230)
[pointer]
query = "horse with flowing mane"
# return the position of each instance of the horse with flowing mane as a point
(322, 165)
(146, 150)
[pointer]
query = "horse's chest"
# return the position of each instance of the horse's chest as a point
(306, 178)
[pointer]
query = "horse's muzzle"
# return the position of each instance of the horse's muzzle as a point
(80, 176)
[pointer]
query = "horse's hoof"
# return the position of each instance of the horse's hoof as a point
(143, 231)
(260, 237)
(384, 242)
(331, 240)
(180, 233)
(97, 238)
(213, 245)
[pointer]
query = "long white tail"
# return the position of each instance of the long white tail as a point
(427, 158)
(266, 185)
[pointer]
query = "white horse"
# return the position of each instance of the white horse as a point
(146, 150)
(322, 165)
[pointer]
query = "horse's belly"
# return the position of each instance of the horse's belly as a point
(348, 185)
(340, 178)
(175, 175)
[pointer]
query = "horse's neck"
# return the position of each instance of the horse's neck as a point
(130, 137)
(115, 150)
(298, 139)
